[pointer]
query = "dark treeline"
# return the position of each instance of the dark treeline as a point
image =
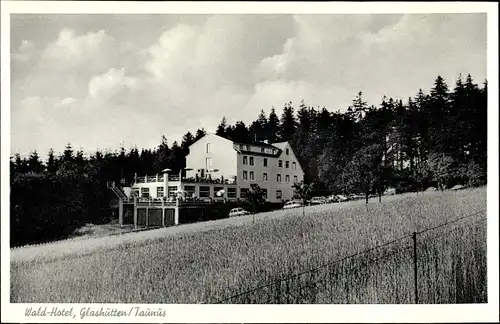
(434, 139)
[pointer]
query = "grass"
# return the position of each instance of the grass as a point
(209, 266)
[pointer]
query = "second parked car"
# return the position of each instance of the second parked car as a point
(238, 212)
(292, 204)
(318, 201)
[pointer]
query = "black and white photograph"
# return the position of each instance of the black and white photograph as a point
(155, 158)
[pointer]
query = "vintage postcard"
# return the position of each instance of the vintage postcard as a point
(277, 162)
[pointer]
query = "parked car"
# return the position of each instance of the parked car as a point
(457, 187)
(238, 212)
(333, 198)
(317, 201)
(390, 191)
(355, 196)
(292, 204)
(341, 198)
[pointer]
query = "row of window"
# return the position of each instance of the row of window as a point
(250, 161)
(203, 193)
(250, 175)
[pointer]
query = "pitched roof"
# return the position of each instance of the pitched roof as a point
(280, 145)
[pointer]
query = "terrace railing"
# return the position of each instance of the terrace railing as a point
(175, 177)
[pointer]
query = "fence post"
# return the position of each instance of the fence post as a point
(415, 272)
(287, 291)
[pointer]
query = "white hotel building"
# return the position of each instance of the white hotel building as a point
(215, 163)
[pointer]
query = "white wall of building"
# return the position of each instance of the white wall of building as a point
(272, 185)
(220, 152)
(224, 155)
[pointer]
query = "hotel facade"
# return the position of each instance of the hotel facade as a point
(220, 169)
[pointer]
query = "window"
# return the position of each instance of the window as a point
(264, 177)
(243, 192)
(278, 177)
(280, 163)
(295, 180)
(231, 192)
(265, 162)
(287, 164)
(245, 175)
(262, 150)
(172, 191)
(245, 160)
(208, 163)
(248, 147)
(135, 192)
(251, 160)
(145, 192)
(208, 147)
(189, 190)
(278, 194)
(287, 152)
(204, 191)
(294, 165)
(251, 175)
(160, 192)
(264, 193)
(287, 178)
(274, 151)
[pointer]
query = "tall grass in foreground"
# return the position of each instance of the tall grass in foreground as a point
(210, 266)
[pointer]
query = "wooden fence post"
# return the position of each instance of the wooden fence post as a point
(415, 269)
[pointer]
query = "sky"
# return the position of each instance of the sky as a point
(101, 81)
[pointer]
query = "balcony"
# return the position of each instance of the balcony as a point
(175, 177)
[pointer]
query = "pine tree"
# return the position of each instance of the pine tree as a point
(437, 112)
(262, 123)
(272, 127)
(288, 124)
(358, 108)
(34, 163)
(200, 133)
(161, 158)
(304, 118)
(68, 154)
(51, 162)
(240, 133)
(187, 141)
(222, 128)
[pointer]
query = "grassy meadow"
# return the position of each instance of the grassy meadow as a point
(209, 266)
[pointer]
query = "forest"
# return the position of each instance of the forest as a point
(433, 139)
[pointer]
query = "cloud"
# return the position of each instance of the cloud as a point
(110, 83)
(24, 52)
(67, 102)
(96, 88)
(362, 53)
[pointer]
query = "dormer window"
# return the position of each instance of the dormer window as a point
(262, 150)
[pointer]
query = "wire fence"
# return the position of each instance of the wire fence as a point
(442, 264)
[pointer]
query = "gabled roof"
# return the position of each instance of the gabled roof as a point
(280, 145)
